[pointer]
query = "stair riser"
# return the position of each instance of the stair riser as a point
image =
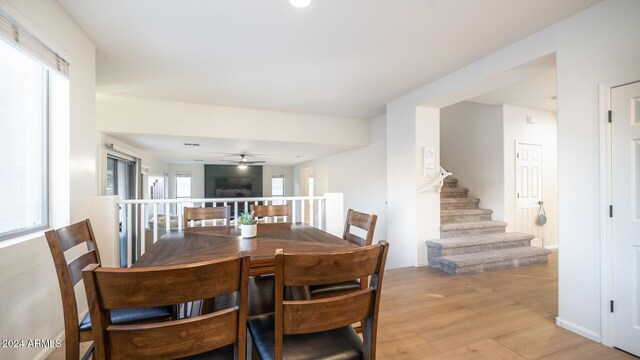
(459, 206)
(453, 194)
(456, 219)
(450, 184)
(437, 251)
(506, 264)
(470, 232)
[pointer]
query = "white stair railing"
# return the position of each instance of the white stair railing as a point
(144, 217)
(438, 181)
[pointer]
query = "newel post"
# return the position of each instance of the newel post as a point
(105, 216)
(334, 213)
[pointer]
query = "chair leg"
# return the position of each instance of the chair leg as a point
(72, 346)
(254, 353)
(87, 355)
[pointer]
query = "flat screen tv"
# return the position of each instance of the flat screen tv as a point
(233, 187)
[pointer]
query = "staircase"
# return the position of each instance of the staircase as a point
(470, 242)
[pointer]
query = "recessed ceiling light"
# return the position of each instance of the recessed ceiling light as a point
(300, 4)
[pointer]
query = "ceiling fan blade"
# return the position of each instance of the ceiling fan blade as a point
(231, 161)
(255, 162)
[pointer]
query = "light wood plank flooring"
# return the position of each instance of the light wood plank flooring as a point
(500, 315)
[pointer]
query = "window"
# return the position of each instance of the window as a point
(34, 102)
(277, 185)
(24, 99)
(183, 185)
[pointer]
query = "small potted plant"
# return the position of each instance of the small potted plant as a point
(248, 225)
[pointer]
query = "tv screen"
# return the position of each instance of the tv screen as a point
(233, 187)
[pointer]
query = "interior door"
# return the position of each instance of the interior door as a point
(625, 226)
(121, 181)
(528, 190)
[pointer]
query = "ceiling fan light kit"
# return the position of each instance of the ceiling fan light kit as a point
(244, 163)
(300, 4)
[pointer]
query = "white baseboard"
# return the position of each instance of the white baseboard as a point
(47, 351)
(551, 247)
(579, 330)
(422, 263)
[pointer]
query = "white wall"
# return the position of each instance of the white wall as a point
(360, 174)
(471, 147)
(269, 170)
(30, 305)
(600, 45)
(128, 115)
(197, 179)
(543, 132)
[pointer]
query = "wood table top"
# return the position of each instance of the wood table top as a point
(194, 245)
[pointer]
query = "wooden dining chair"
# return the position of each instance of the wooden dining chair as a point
(215, 335)
(268, 212)
(367, 225)
(70, 273)
(213, 214)
(321, 328)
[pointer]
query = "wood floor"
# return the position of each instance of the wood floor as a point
(501, 315)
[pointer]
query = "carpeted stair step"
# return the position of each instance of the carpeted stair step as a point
(461, 215)
(458, 203)
(454, 192)
(450, 183)
(471, 228)
(477, 243)
(491, 260)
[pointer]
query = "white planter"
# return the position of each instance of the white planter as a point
(249, 231)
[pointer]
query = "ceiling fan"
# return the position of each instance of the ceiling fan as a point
(243, 163)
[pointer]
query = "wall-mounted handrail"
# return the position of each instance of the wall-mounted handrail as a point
(438, 181)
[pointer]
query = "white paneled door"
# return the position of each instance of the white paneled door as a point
(528, 189)
(625, 226)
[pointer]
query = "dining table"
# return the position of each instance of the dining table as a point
(197, 244)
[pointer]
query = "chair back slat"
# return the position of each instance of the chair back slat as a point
(330, 268)
(156, 286)
(207, 213)
(76, 265)
(114, 288)
(302, 317)
(175, 339)
(363, 221)
(261, 211)
(355, 239)
(76, 234)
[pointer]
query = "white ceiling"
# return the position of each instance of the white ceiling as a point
(214, 150)
(336, 57)
(534, 87)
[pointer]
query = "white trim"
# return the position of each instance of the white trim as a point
(552, 247)
(422, 263)
(578, 330)
(44, 353)
(606, 263)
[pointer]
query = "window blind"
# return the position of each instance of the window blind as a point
(12, 32)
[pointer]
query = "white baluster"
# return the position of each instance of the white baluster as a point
(143, 230)
(293, 211)
(179, 212)
(311, 212)
(235, 212)
(129, 234)
(167, 217)
(155, 222)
